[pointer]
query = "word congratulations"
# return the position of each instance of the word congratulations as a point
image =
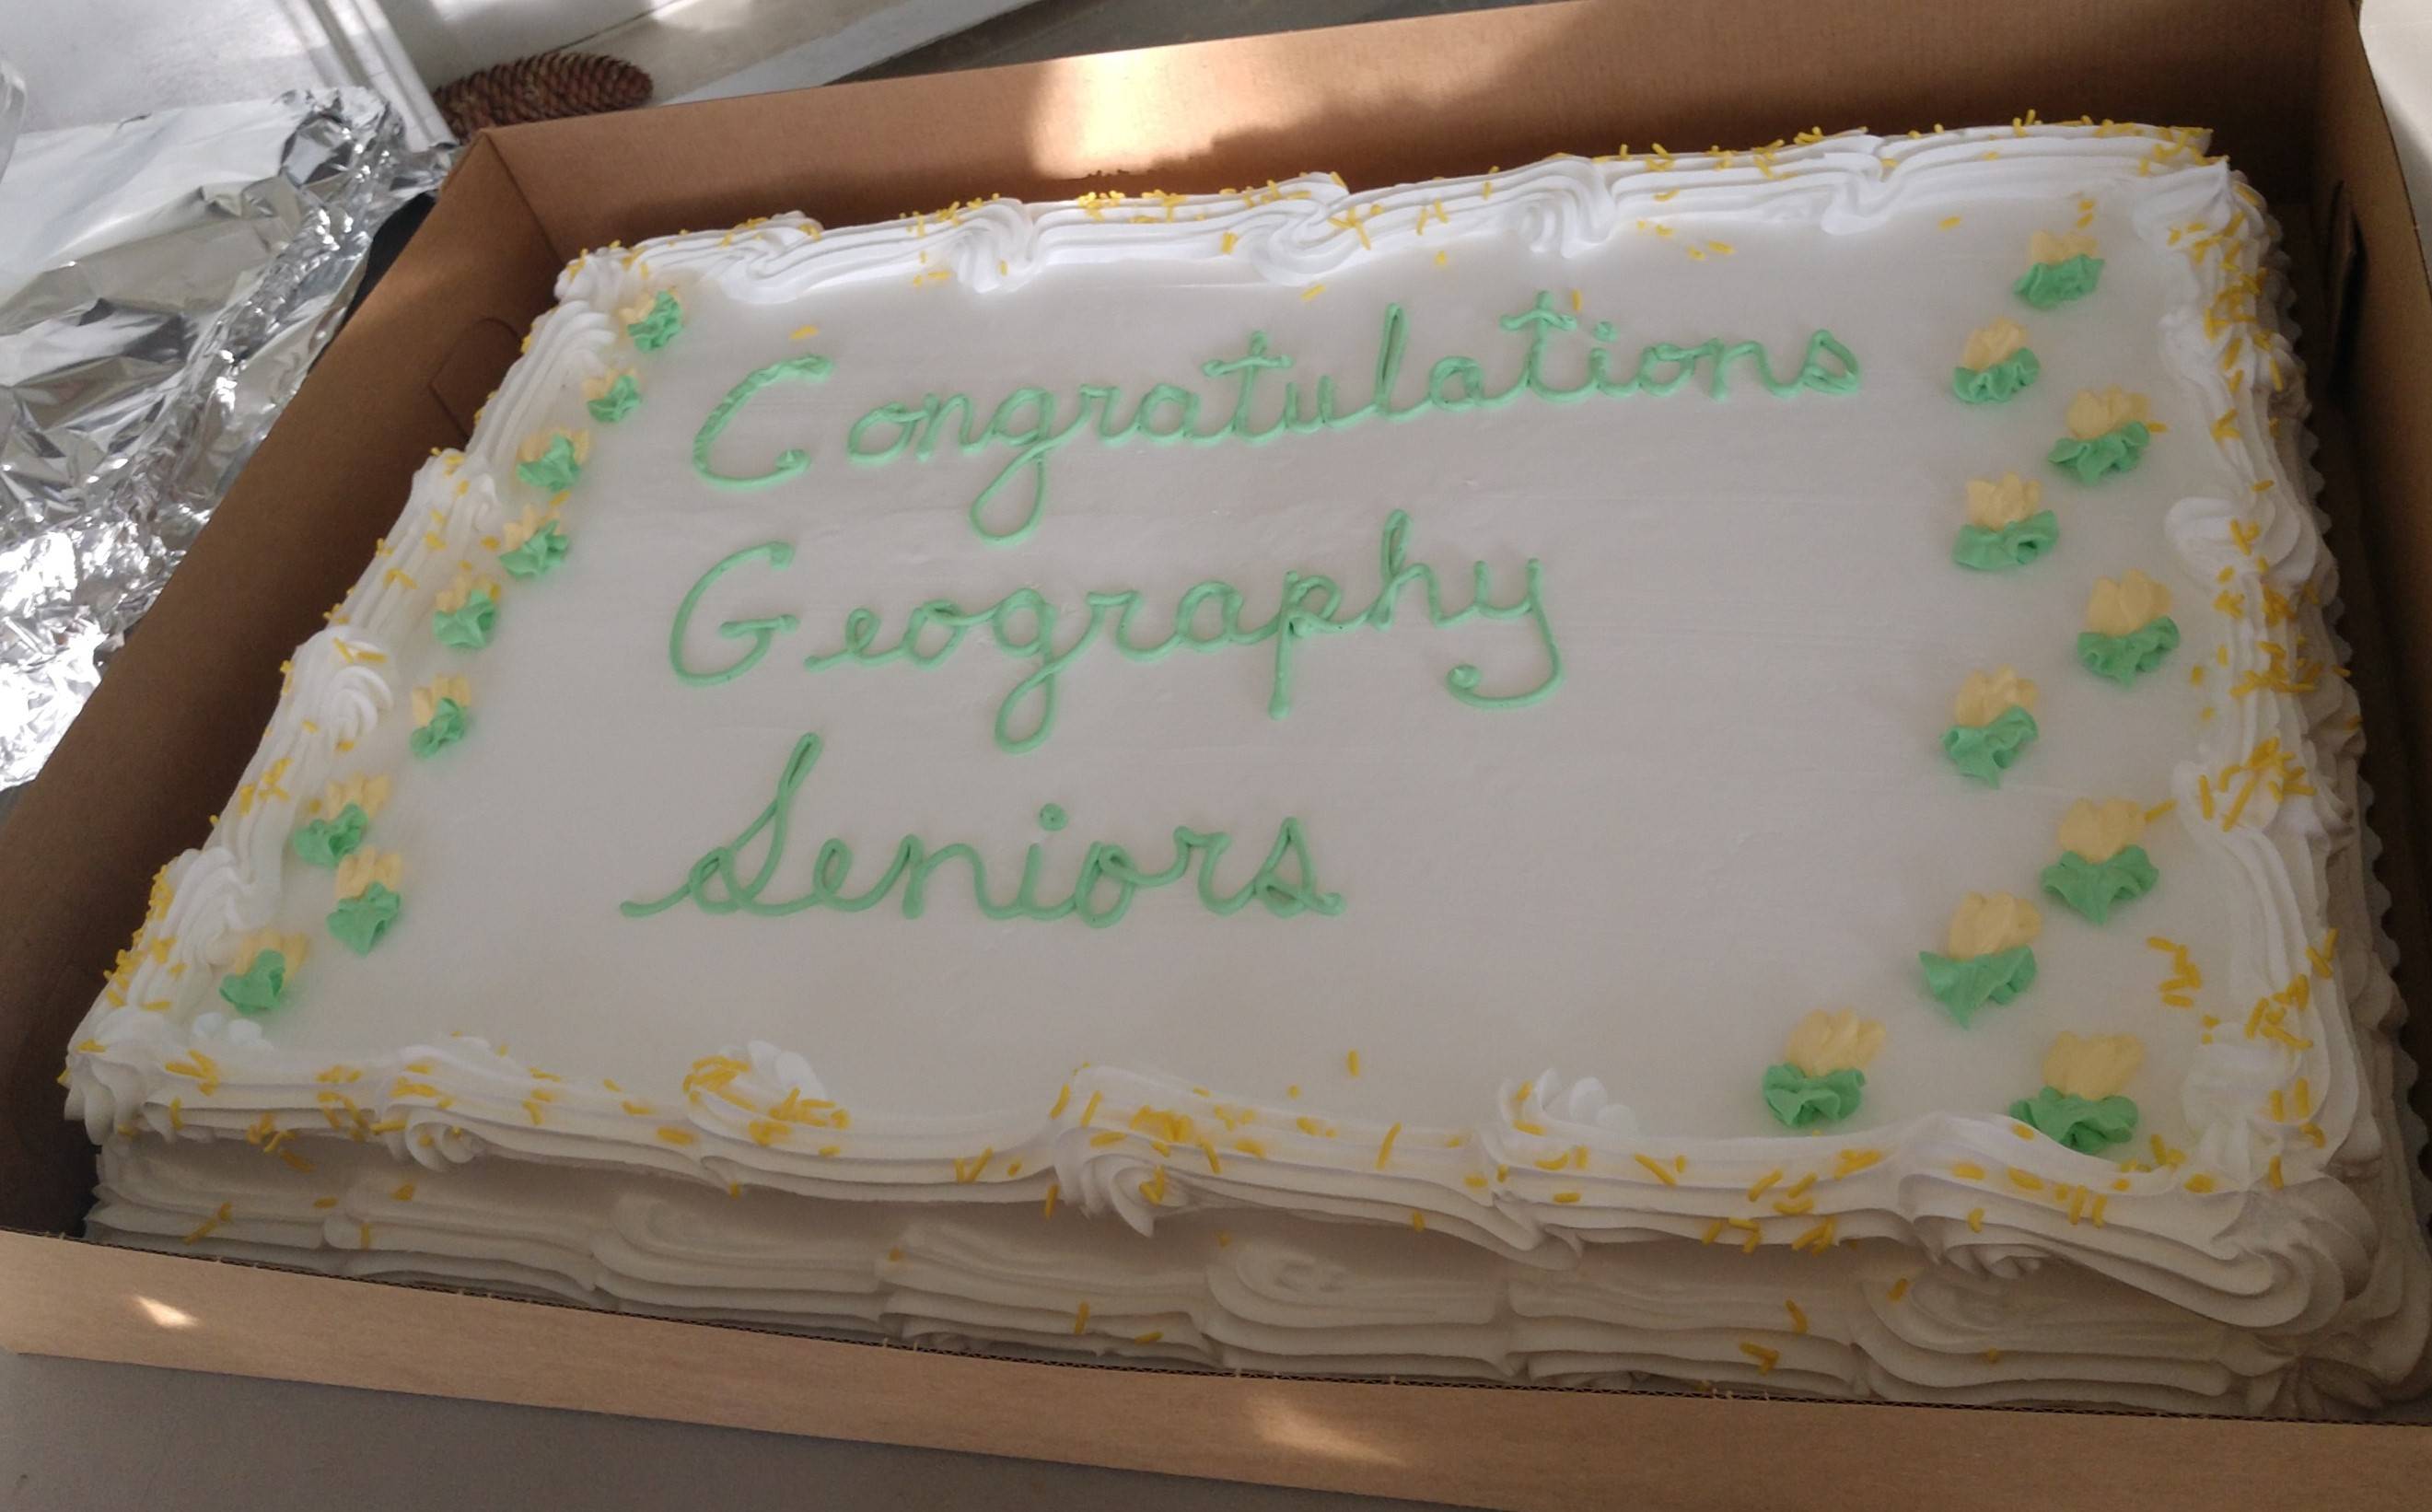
(1208, 617)
(722, 882)
(1034, 423)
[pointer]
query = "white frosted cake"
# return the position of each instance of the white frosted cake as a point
(1760, 796)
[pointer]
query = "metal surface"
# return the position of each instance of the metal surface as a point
(164, 283)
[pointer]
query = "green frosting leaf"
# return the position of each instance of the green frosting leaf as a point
(1966, 987)
(543, 549)
(2086, 1126)
(2003, 381)
(621, 399)
(2121, 658)
(2092, 887)
(2047, 284)
(655, 329)
(1986, 751)
(260, 987)
(2011, 546)
(324, 841)
(447, 727)
(360, 921)
(553, 471)
(1798, 1100)
(467, 628)
(2117, 450)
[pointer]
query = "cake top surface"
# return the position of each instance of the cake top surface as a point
(1399, 702)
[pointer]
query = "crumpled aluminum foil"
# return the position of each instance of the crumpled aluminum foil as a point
(164, 283)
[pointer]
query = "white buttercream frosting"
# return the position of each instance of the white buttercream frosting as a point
(1734, 812)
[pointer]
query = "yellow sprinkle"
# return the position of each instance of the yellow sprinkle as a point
(1764, 1182)
(1062, 1097)
(1047, 1209)
(1081, 1317)
(1418, 1220)
(805, 332)
(1528, 1126)
(1567, 1196)
(1976, 1220)
(1476, 1183)
(1232, 240)
(1793, 1206)
(639, 1110)
(1949, 221)
(1765, 1358)
(225, 1212)
(1385, 1150)
(965, 1175)
(404, 1194)
(2025, 1181)
(1800, 1186)
(1110, 1137)
(1292, 1091)
(1898, 1290)
(1442, 257)
(1149, 1338)
(1797, 1316)
(2272, 1172)
(2022, 1130)
(1992, 1356)
(1968, 1170)
(677, 1137)
(1661, 1174)
(1090, 1109)
(1222, 1238)
(1311, 292)
(1577, 301)
(324, 1203)
(1251, 1147)
(1853, 1160)
(2095, 1212)
(1713, 1230)
(1351, 1062)
(2200, 1183)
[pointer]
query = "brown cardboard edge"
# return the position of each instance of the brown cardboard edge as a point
(1398, 101)
(1489, 1448)
(494, 264)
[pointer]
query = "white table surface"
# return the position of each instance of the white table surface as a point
(75, 1435)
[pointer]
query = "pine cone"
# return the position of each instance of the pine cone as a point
(546, 87)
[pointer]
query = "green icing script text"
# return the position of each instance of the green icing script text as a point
(1285, 882)
(1206, 617)
(1034, 423)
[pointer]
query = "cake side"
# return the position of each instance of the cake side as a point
(2285, 1113)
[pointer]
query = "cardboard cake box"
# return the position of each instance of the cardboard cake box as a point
(2285, 85)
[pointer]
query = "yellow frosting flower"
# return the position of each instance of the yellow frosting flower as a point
(369, 794)
(2092, 1069)
(1983, 696)
(456, 594)
(1996, 343)
(1997, 503)
(361, 869)
(425, 697)
(596, 388)
(2092, 415)
(1990, 923)
(2099, 832)
(291, 948)
(523, 528)
(537, 446)
(2126, 606)
(639, 309)
(2045, 248)
(1824, 1043)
